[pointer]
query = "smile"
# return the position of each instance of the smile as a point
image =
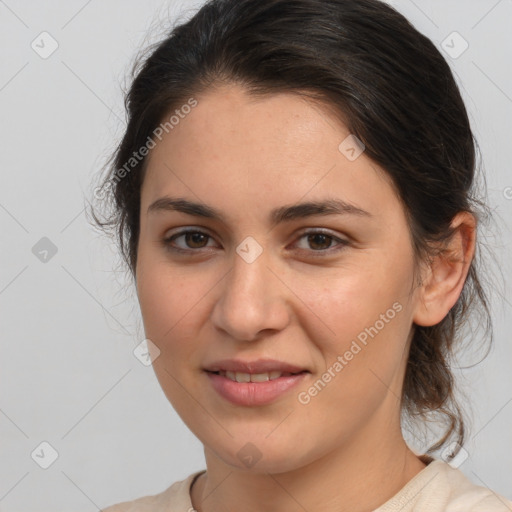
(253, 377)
(253, 389)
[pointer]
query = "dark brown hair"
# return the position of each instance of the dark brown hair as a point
(389, 85)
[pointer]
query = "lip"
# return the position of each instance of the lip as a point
(251, 394)
(256, 366)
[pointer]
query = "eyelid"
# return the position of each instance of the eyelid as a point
(168, 239)
(341, 242)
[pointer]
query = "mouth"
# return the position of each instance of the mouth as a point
(254, 383)
(254, 377)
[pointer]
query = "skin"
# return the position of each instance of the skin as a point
(245, 156)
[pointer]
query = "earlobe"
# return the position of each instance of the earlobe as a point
(447, 273)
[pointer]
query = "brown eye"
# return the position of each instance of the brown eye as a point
(195, 240)
(319, 241)
(192, 240)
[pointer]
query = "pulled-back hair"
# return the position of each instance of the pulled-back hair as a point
(388, 84)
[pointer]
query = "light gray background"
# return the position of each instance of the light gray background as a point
(68, 326)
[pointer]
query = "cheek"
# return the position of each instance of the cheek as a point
(366, 312)
(163, 297)
(354, 300)
(172, 303)
(361, 365)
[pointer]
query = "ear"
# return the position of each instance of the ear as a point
(446, 274)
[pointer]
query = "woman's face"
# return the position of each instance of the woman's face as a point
(268, 281)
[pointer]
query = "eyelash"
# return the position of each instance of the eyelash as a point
(317, 253)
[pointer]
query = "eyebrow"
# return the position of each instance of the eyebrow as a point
(277, 216)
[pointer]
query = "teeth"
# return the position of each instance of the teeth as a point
(253, 377)
(243, 377)
(260, 377)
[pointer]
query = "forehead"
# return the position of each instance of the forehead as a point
(239, 147)
(229, 118)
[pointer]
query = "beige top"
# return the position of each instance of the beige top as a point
(436, 488)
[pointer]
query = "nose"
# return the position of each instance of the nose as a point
(253, 301)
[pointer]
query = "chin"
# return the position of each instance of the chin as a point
(260, 454)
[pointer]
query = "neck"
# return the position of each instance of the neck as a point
(357, 477)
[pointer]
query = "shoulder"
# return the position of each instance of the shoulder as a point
(176, 497)
(441, 488)
(466, 496)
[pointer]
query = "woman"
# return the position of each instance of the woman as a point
(294, 197)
